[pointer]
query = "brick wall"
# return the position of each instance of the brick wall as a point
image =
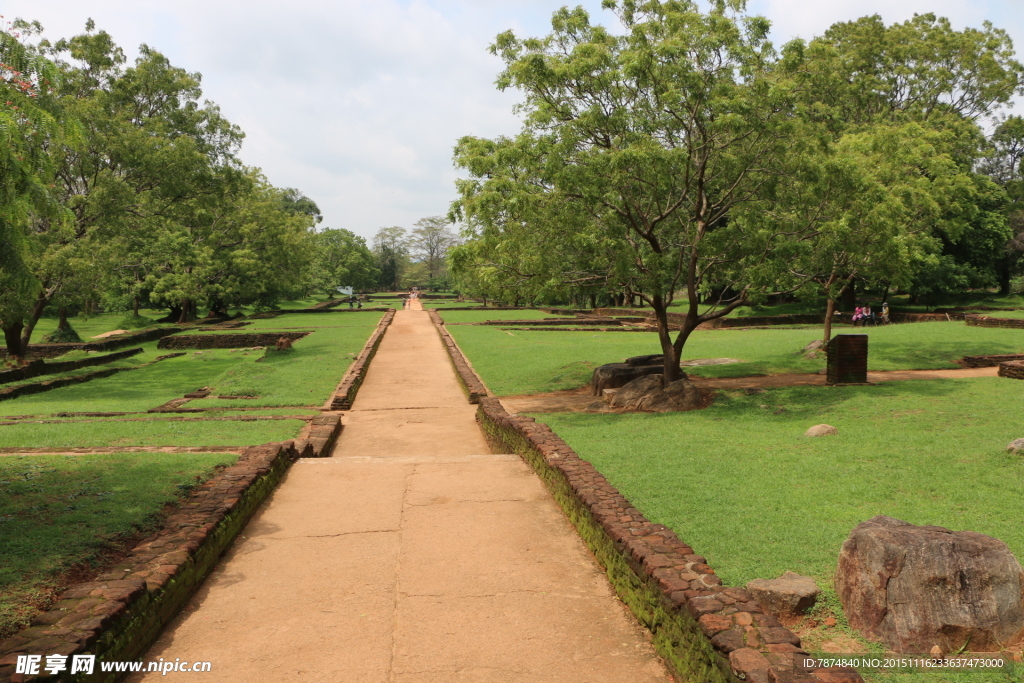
(345, 394)
(470, 383)
(988, 361)
(109, 344)
(986, 321)
(38, 368)
(226, 341)
(1013, 369)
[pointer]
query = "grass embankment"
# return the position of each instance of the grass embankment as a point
(60, 516)
(742, 485)
(522, 362)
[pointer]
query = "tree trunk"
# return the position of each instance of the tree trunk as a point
(671, 370)
(849, 295)
(186, 307)
(1004, 277)
(37, 312)
(12, 336)
(830, 308)
(62, 324)
(135, 307)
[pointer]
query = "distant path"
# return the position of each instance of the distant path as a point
(412, 555)
(578, 400)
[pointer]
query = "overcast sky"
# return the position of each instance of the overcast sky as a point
(358, 103)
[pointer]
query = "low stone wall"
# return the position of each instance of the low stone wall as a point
(484, 308)
(47, 385)
(472, 387)
(897, 317)
(548, 323)
(705, 631)
(345, 394)
(988, 361)
(321, 435)
(273, 314)
(226, 341)
(986, 321)
(108, 344)
(1013, 369)
(38, 368)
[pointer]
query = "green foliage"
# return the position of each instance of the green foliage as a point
(391, 247)
(341, 259)
(635, 150)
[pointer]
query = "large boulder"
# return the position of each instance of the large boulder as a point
(646, 393)
(615, 375)
(919, 587)
(788, 596)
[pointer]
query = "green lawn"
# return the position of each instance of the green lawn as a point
(530, 362)
(57, 512)
(486, 314)
(306, 375)
(132, 391)
(742, 485)
(119, 434)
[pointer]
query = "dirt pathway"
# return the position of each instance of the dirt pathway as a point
(411, 555)
(579, 400)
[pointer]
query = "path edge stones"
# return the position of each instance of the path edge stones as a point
(470, 383)
(345, 393)
(704, 630)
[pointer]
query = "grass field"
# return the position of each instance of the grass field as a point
(530, 362)
(742, 485)
(304, 376)
(59, 512)
(103, 433)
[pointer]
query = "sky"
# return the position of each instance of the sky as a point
(359, 103)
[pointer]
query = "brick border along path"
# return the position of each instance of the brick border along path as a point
(412, 554)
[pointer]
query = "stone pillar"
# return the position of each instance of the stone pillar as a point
(848, 359)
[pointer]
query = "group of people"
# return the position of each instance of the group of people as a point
(863, 315)
(408, 299)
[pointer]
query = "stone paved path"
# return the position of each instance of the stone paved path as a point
(412, 555)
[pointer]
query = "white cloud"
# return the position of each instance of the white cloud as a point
(359, 102)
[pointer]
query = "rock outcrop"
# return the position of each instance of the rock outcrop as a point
(918, 587)
(646, 394)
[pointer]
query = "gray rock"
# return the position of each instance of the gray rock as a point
(919, 587)
(614, 375)
(822, 430)
(790, 595)
(814, 345)
(646, 393)
(652, 359)
(1015, 446)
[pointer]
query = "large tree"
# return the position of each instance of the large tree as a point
(889, 189)
(640, 145)
(430, 241)
(341, 259)
(391, 247)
